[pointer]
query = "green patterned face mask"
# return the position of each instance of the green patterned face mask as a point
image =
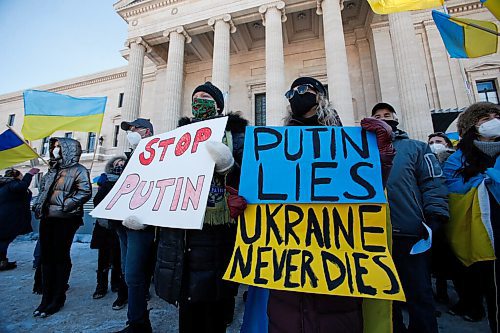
(203, 108)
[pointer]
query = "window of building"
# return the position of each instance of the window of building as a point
(68, 135)
(45, 146)
(120, 100)
(260, 109)
(487, 91)
(12, 117)
(91, 142)
(115, 135)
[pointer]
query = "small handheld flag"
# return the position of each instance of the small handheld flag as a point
(46, 112)
(466, 38)
(14, 150)
(395, 6)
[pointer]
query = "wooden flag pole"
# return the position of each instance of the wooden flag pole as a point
(95, 150)
(21, 138)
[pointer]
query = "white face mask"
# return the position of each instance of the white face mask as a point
(437, 148)
(490, 129)
(133, 138)
(56, 152)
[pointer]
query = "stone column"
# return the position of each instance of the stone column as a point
(133, 87)
(337, 69)
(177, 38)
(409, 71)
(273, 15)
(223, 26)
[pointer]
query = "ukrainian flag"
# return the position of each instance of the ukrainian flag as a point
(46, 112)
(14, 150)
(465, 38)
(395, 6)
(493, 6)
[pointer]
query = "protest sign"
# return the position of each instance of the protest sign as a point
(311, 165)
(317, 218)
(167, 180)
(319, 248)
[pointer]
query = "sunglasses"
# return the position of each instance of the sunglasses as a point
(302, 89)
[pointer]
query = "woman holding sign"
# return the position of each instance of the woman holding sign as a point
(290, 311)
(191, 263)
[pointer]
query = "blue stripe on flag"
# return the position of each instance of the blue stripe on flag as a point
(44, 103)
(9, 140)
(452, 34)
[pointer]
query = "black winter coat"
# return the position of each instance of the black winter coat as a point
(15, 215)
(190, 263)
(66, 186)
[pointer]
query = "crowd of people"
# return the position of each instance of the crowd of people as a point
(439, 195)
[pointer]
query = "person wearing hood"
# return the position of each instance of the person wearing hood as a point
(290, 311)
(59, 206)
(418, 202)
(105, 239)
(191, 263)
(15, 215)
(473, 178)
(137, 245)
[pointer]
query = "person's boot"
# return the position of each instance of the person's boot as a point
(102, 284)
(61, 278)
(143, 327)
(48, 281)
(122, 297)
(6, 265)
(37, 285)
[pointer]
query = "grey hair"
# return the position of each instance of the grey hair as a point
(327, 115)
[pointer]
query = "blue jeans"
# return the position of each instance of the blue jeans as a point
(136, 250)
(415, 275)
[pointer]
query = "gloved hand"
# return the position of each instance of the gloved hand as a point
(133, 222)
(235, 202)
(435, 222)
(34, 171)
(222, 156)
(383, 132)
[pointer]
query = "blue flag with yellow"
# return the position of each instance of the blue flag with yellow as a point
(466, 38)
(46, 112)
(493, 6)
(13, 150)
(395, 6)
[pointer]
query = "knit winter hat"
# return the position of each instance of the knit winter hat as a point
(318, 86)
(473, 113)
(213, 91)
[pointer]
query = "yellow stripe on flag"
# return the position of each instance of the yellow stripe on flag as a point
(16, 155)
(395, 6)
(478, 42)
(38, 127)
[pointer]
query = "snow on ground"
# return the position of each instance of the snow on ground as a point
(81, 313)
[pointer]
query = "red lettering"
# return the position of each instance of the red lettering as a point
(203, 134)
(183, 144)
(164, 144)
(147, 160)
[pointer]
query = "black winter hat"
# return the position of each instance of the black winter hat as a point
(382, 106)
(213, 91)
(318, 86)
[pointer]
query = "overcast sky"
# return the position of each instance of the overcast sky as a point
(45, 41)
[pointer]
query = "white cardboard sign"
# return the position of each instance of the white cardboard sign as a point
(167, 180)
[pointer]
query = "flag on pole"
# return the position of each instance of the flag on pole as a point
(395, 6)
(46, 112)
(466, 38)
(493, 6)
(14, 150)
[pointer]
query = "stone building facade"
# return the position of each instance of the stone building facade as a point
(254, 49)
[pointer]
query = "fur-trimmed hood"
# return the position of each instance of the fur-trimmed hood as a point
(109, 165)
(235, 123)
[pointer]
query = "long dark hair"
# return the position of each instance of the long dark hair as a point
(474, 161)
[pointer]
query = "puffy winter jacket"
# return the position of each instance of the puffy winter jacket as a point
(66, 186)
(15, 215)
(190, 263)
(416, 187)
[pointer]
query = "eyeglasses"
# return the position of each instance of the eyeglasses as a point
(302, 89)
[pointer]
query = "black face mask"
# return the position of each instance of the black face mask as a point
(301, 104)
(393, 123)
(117, 170)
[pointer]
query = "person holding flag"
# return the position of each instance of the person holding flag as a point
(15, 215)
